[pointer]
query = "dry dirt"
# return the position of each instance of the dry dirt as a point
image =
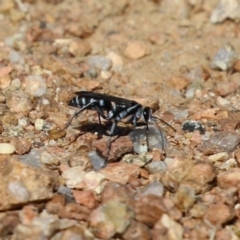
(181, 58)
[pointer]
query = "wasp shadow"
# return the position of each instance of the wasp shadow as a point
(104, 129)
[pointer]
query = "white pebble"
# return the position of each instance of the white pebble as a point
(6, 148)
(222, 101)
(169, 161)
(230, 163)
(117, 61)
(156, 166)
(48, 223)
(222, 156)
(154, 188)
(93, 181)
(99, 62)
(97, 161)
(15, 57)
(190, 92)
(16, 83)
(73, 176)
(49, 159)
(105, 75)
(39, 124)
(224, 58)
(45, 101)
(23, 122)
(35, 85)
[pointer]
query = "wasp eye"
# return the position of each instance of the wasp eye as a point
(147, 114)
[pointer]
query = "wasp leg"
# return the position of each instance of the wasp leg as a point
(78, 112)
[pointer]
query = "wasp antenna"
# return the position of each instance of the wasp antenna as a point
(154, 117)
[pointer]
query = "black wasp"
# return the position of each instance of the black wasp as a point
(117, 109)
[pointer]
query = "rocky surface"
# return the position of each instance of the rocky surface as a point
(181, 58)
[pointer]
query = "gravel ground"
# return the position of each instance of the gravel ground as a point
(181, 58)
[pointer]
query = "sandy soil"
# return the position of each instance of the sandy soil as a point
(181, 58)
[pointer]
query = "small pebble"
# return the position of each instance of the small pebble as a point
(229, 164)
(119, 147)
(57, 133)
(28, 213)
(140, 160)
(117, 61)
(56, 204)
(190, 92)
(35, 85)
(220, 142)
(16, 83)
(188, 173)
(120, 172)
(66, 192)
(49, 159)
(27, 231)
(229, 179)
(5, 81)
(156, 166)
(2, 98)
(45, 101)
(91, 73)
(114, 191)
(79, 47)
(168, 161)
(99, 62)
(92, 181)
(73, 210)
(67, 224)
(22, 146)
(73, 176)
(32, 158)
(174, 230)
(15, 57)
(222, 101)
(6, 6)
(16, 15)
(237, 155)
(180, 113)
(137, 230)
(105, 75)
(149, 209)
(136, 50)
(180, 83)
(236, 66)
(226, 9)
(225, 88)
(18, 102)
(48, 223)
(224, 58)
(6, 148)
(219, 157)
(86, 198)
(185, 198)
(192, 126)
(154, 188)
(23, 122)
(219, 213)
(110, 218)
(39, 124)
(97, 161)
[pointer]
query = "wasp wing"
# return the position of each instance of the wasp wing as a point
(116, 100)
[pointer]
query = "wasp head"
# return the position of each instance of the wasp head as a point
(147, 114)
